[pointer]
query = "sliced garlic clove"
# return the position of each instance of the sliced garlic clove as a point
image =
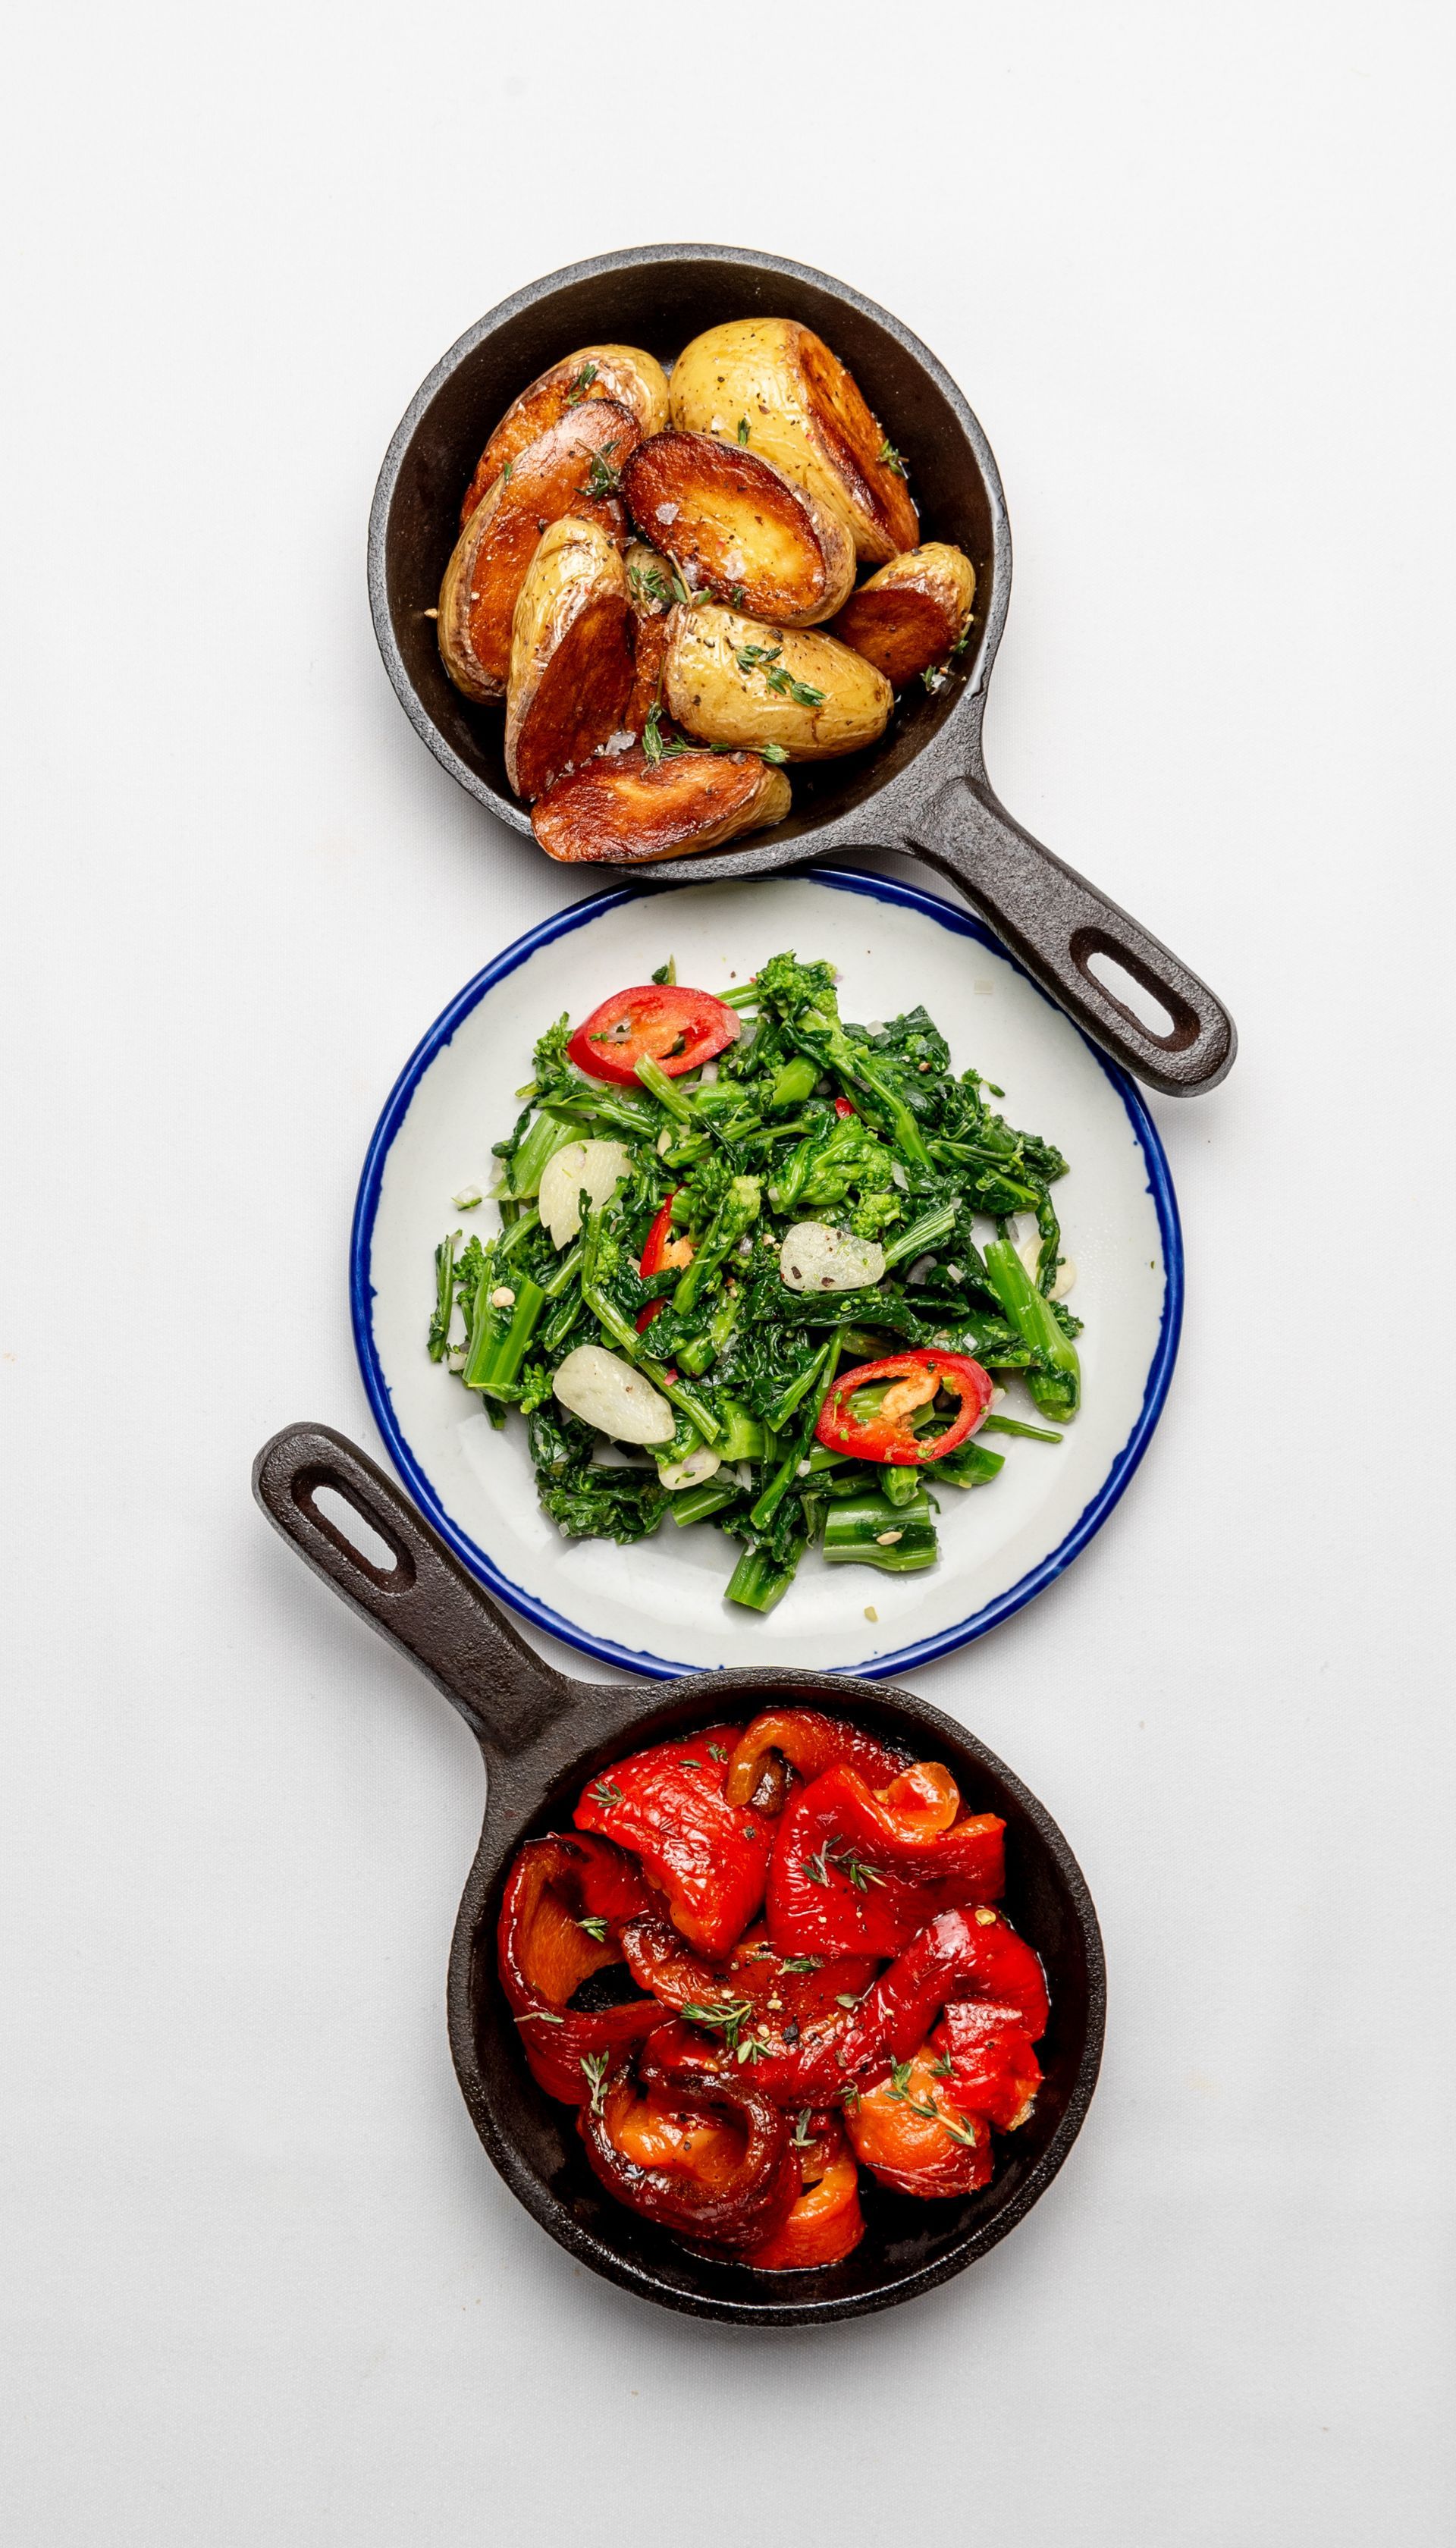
(595, 1165)
(694, 1471)
(606, 1392)
(816, 1259)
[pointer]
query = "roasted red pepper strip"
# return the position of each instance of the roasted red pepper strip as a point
(985, 2056)
(708, 1857)
(810, 1743)
(544, 1954)
(959, 1954)
(826, 2223)
(707, 2156)
(907, 2131)
(677, 1028)
(888, 1434)
(756, 2009)
(856, 1873)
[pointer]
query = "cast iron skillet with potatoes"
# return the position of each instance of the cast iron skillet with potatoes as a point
(922, 786)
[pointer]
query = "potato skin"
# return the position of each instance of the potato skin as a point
(570, 655)
(623, 373)
(733, 523)
(489, 566)
(910, 615)
(627, 810)
(804, 412)
(720, 700)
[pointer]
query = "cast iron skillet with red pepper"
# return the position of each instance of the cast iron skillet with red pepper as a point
(542, 1736)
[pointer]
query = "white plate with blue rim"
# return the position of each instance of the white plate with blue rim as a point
(657, 1607)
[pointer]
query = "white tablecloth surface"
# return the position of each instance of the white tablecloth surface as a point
(1193, 272)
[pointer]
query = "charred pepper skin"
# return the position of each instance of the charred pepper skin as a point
(708, 1857)
(856, 1872)
(810, 1743)
(544, 1954)
(735, 2207)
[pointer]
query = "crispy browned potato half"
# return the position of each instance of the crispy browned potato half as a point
(733, 523)
(570, 655)
(910, 615)
(554, 476)
(804, 411)
(623, 373)
(625, 808)
(732, 681)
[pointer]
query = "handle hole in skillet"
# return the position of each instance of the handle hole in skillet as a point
(1135, 988)
(328, 1504)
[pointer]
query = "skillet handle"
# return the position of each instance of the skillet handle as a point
(1054, 923)
(424, 1603)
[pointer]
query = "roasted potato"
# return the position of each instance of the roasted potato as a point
(570, 655)
(732, 521)
(804, 411)
(911, 613)
(624, 807)
(623, 373)
(730, 679)
(569, 469)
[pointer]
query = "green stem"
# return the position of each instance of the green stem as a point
(739, 1206)
(1008, 1424)
(756, 1584)
(496, 1352)
(657, 1083)
(546, 1137)
(566, 1271)
(698, 1504)
(439, 1325)
(868, 1530)
(1056, 1388)
(794, 1081)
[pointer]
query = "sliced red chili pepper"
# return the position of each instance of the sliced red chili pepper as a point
(708, 1857)
(675, 1027)
(661, 1249)
(910, 2134)
(655, 1248)
(889, 1435)
(859, 1872)
(545, 1952)
(842, 1107)
(992, 2070)
(707, 2156)
(810, 1743)
(826, 2223)
(759, 2008)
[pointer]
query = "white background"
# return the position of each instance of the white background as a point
(1193, 270)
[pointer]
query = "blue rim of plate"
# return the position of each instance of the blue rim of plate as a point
(655, 1666)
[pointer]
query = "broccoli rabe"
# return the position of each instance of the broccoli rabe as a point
(807, 1117)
